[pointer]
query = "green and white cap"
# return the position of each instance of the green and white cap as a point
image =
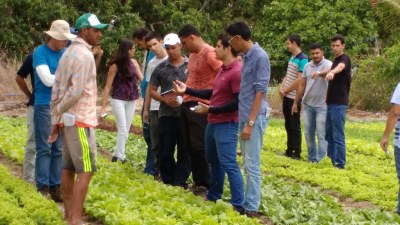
(89, 20)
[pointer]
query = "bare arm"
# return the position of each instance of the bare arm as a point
(138, 70)
(390, 123)
(112, 71)
(299, 94)
(339, 68)
(295, 83)
(23, 86)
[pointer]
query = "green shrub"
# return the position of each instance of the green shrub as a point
(375, 80)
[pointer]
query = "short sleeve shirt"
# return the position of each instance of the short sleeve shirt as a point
(154, 105)
(295, 66)
(43, 55)
(396, 100)
(339, 86)
(25, 70)
(203, 67)
(163, 76)
(315, 94)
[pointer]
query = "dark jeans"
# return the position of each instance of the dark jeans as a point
(335, 120)
(172, 172)
(150, 160)
(193, 128)
(293, 129)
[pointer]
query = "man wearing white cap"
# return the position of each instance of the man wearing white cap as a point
(48, 156)
(169, 125)
(73, 111)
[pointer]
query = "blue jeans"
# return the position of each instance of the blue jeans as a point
(251, 150)
(48, 156)
(397, 161)
(335, 119)
(220, 146)
(314, 121)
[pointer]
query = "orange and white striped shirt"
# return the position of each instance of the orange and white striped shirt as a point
(75, 87)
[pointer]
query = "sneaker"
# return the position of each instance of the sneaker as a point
(55, 193)
(44, 190)
(116, 159)
(251, 214)
(200, 190)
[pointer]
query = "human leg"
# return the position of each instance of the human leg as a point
(309, 132)
(182, 169)
(251, 163)
(287, 111)
(30, 149)
(167, 142)
(338, 123)
(226, 142)
(320, 125)
(118, 108)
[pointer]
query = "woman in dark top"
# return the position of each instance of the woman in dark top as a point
(122, 80)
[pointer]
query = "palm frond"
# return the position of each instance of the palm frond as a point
(388, 12)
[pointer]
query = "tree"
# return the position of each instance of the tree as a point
(314, 21)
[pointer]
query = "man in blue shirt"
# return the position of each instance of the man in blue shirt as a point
(48, 156)
(253, 109)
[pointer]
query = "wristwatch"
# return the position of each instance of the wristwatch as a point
(319, 73)
(250, 123)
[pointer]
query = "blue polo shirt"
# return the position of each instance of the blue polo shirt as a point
(43, 55)
(256, 72)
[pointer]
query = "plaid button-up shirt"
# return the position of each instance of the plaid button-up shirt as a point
(75, 86)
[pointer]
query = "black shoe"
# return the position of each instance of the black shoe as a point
(200, 190)
(251, 214)
(55, 193)
(44, 190)
(239, 209)
(116, 159)
(288, 154)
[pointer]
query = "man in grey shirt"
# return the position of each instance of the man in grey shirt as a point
(314, 88)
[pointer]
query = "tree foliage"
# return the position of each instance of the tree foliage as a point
(315, 21)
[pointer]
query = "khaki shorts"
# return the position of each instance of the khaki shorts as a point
(79, 149)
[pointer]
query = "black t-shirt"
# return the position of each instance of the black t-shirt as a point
(339, 86)
(25, 70)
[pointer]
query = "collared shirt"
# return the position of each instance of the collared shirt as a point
(295, 66)
(164, 75)
(256, 73)
(315, 93)
(226, 86)
(75, 87)
(203, 67)
(25, 70)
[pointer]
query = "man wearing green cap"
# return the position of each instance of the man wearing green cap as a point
(73, 110)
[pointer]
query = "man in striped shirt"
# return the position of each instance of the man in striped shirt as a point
(288, 93)
(73, 111)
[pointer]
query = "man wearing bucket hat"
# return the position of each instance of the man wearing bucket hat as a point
(48, 156)
(73, 110)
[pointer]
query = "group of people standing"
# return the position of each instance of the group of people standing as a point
(322, 88)
(199, 104)
(202, 105)
(61, 147)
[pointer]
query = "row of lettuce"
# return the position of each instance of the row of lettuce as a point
(122, 194)
(118, 194)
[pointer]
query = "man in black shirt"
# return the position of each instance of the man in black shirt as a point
(30, 147)
(337, 100)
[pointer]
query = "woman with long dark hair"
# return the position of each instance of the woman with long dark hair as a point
(122, 80)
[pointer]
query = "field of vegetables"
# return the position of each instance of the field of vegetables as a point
(293, 192)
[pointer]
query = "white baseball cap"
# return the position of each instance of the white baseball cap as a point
(60, 30)
(171, 39)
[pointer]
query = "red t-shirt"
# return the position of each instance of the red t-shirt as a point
(226, 85)
(202, 68)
